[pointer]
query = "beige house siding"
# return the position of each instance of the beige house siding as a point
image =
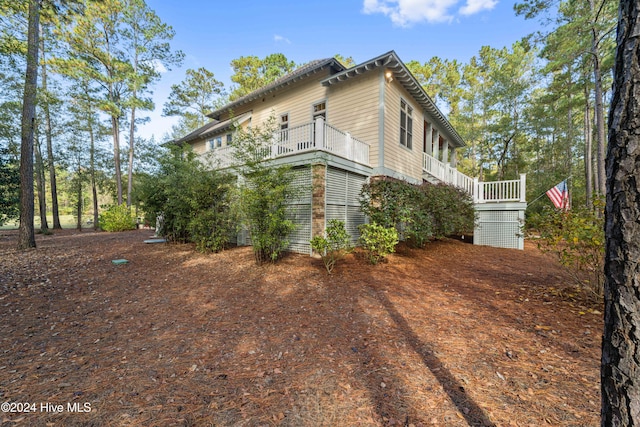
(353, 106)
(399, 158)
(296, 100)
(199, 147)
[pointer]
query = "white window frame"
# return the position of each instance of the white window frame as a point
(215, 142)
(284, 121)
(315, 113)
(406, 124)
(283, 126)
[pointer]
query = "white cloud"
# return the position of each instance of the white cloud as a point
(278, 38)
(405, 13)
(159, 66)
(475, 6)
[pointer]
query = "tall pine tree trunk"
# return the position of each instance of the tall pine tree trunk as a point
(26, 233)
(620, 372)
(571, 143)
(600, 131)
(79, 195)
(588, 151)
(115, 128)
(599, 104)
(132, 125)
(132, 133)
(49, 137)
(40, 186)
(92, 174)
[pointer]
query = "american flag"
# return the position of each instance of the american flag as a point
(559, 195)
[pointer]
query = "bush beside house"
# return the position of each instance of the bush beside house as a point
(195, 202)
(418, 213)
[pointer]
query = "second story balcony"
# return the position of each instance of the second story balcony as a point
(315, 136)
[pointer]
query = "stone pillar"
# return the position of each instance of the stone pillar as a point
(318, 190)
(454, 158)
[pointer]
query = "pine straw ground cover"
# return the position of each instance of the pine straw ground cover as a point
(452, 335)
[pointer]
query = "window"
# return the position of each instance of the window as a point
(320, 110)
(215, 142)
(284, 122)
(229, 138)
(284, 125)
(406, 125)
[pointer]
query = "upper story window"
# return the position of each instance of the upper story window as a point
(406, 125)
(215, 143)
(320, 110)
(284, 125)
(284, 121)
(229, 138)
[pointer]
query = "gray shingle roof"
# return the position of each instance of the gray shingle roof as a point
(213, 127)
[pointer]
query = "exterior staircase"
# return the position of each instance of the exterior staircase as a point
(436, 171)
(500, 205)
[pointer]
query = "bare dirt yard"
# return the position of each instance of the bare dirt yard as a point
(451, 335)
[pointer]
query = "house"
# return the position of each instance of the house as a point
(339, 127)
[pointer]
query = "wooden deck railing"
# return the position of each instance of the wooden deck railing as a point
(314, 136)
(482, 192)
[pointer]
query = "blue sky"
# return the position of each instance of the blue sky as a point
(213, 32)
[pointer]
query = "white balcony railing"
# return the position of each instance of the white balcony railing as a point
(315, 136)
(482, 192)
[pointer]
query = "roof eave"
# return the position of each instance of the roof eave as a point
(212, 128)
(391, 61)
(277, 86)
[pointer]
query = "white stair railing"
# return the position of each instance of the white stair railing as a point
(482, 192)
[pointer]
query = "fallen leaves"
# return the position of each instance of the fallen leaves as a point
(434, 336)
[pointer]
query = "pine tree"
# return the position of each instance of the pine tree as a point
(620, 379)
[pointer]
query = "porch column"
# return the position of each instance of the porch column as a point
(435, 144)
(318, 191)
(445, 151)
(319, 133)
(428, 138)
(454, 157)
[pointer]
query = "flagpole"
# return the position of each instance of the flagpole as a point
(536, 199)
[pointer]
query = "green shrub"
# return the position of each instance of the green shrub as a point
(209, 230)
(117, 218)
(576, 237)
(419, 213)
(265, 193)
(334, 246)
(387, 202)
(418, 230)
(378, 241)
(9, 187)
(195, 202)
(450, 208)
